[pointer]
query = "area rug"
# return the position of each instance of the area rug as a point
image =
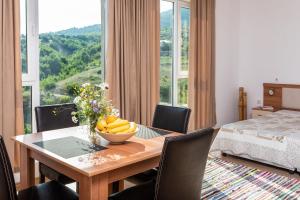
(226, 180)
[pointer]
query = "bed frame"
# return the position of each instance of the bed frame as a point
(282, 96)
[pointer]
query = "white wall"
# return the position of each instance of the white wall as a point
(227, 26)
(269, 44)
(257, 41)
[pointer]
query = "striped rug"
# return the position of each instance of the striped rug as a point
(226, 180)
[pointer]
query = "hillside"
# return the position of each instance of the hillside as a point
(166, 16)
(87, 30)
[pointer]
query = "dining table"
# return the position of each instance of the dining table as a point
(93, 165)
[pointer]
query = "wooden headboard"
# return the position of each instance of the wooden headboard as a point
(282, 96)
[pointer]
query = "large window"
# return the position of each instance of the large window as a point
(174, 47)
(62, 47)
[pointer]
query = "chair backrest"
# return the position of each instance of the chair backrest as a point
(182, 166)
(55, 117)
(171, 118)
(7, 182)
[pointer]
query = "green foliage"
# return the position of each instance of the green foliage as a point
(48, 83)
(63, 57)
(183, 91)
(27, 109)
(24, 53)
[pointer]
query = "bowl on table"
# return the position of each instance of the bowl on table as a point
(116, 137)
(115, 129)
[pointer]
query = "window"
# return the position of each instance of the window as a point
(174, 51)
(27, 108)
(59, 51)
(166, 50)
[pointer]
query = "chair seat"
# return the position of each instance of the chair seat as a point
(143, 191)
(48, 191)
(143, 177)
(54, 175)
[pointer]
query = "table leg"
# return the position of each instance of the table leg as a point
(121, 185)
(116, 186)
(27, 172)
(94, 188)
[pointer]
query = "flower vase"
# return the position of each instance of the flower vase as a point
(92, 133)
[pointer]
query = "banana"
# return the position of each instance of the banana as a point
(131, 129)
(117, 123)
(101, 125)
(111, 119)
(120, 128)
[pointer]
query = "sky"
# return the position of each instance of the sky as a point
(165, 5)
(56, 15)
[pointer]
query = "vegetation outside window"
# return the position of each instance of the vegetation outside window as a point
(66, 50)
(174, 51)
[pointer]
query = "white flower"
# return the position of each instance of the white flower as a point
(83, 104)
(86, 84)
(77, 99)
(103, 86)
(115, 112)
(74, 119)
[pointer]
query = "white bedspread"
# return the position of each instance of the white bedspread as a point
(272, 139)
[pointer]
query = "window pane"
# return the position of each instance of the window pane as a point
(70, 47)
(182, 97)
(23, 37)
(166, 50)
(185, 31)
(27, 108)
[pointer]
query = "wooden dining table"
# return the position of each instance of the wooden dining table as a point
(70, 152)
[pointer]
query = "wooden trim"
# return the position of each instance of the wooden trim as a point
(281, 85)
(275, 100)
(242, 104)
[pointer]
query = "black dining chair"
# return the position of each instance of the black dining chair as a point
(53, 117)
(168, 118)
(180, 173)
(47, 191)
(171, 118)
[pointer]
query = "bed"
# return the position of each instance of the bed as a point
(272, 139)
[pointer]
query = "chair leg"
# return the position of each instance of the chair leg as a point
(77, 187)
(42, 178)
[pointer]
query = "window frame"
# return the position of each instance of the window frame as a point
(32, 77)
(177, 73)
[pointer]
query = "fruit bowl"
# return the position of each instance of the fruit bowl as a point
(115, 129)
(116, 138)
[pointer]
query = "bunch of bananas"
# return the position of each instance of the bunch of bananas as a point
(115, 125)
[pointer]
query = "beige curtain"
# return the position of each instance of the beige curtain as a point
(11, 114)
(202, 64)
(133, 57)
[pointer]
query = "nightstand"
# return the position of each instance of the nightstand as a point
(259, 111)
